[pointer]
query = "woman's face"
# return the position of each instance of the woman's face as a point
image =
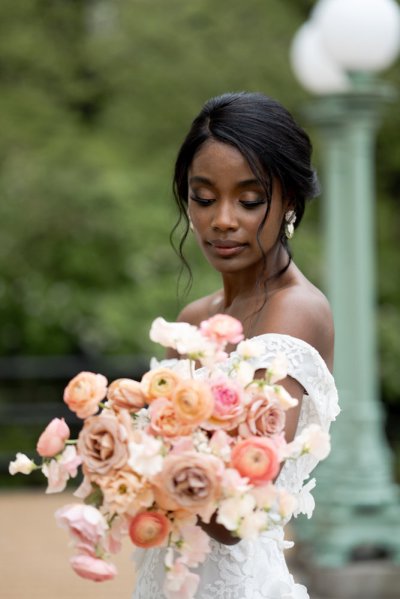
(226, 206)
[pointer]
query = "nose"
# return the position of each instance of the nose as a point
(224, 217)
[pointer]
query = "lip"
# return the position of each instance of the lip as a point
(226, 247)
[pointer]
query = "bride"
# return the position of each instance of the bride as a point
(242, 178)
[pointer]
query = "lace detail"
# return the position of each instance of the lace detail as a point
(257, 569)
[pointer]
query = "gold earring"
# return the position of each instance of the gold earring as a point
(290, 219)
(190, 224)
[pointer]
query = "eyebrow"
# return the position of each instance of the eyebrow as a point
(242, 184)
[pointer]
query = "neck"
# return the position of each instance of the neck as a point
(256, 281)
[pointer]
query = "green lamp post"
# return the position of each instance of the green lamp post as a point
(335, 55)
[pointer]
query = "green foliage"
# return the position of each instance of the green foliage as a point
(96, 97)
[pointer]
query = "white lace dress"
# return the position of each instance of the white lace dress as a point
(257, 569)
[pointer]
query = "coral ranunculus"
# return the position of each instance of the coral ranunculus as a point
(149, 529)
(257, 459)
(84, 393)
(193, 402)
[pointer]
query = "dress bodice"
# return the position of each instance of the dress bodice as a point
(257, 569)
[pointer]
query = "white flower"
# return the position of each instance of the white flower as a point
(282, 589)
(243, 372)
(315, 441)
(287, 503)
(145, 454)
(305, 501)
(285, 400)
(278, 369)
(233, 509)
(248, 349)
(252, 524)
(181, 336)
(22, 465)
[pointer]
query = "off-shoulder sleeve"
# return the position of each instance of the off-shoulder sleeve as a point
(320, 402)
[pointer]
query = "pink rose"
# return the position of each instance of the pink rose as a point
(262, 418)
(179, 582)
(103, 443)
(228, 404)
(257, 459)
(126, 394)
(149, 529)
(191, 481)
(84, 393)
(92, 568)
(53, 438)
(222, 329)
(85, 523)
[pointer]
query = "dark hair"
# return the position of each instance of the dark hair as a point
(266, 134)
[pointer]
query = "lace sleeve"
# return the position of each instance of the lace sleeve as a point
(319, 404)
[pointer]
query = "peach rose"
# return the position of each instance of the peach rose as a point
(160, 382)
(164, 421)
(257, 459)
(53, 438)
(222, 329)
(84, 393)
(149, 529)
(103, 443)
(93, 568)
(228, 404)
(262, 418)
(193, 402)
(126, 394)
(189, 480)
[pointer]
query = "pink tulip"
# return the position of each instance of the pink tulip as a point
(53, 438)
(93, 568)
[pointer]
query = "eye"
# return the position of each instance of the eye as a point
(201, 201)
(249, 205)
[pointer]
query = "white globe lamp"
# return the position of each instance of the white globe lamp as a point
(360, 35)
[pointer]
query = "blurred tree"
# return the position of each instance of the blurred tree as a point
(96, 97)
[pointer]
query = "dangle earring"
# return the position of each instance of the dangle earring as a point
(190, 223)
(290, 219)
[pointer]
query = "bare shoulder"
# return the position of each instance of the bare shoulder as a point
(200, 309)
(302, 311)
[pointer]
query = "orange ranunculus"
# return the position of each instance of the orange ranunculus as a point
(257, 459)
(193, 402)
(84, 393)
(164, 420)
(149, 529)
(160, 382)
(126, 394)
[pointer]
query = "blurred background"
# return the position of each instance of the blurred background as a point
(96, 97)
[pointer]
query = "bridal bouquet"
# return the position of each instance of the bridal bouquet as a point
(162, 457)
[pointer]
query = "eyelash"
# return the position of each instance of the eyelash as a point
(248, 205)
